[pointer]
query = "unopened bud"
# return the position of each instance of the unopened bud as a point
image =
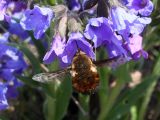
(88, 4)
(60, 11)
(103, 8)
(62, 26)
(73, 25)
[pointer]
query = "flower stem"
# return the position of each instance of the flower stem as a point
(111, 99)
(146, 100)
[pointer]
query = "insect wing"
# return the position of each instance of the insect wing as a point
(111, 62)
(47, 77)
(107, 62)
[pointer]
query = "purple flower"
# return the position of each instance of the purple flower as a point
(113, 50)
(124, 2)
(142, 7)
(56, 49)
(16, 29)
(73, 5)
(9, 7)
(135, 47)
(4, 37)
(66, 51)
(38, 20)
(123, 20)
(17, 6)
(3, 7)
(3, 100)
(76, 42)
(11, 64)
(100, 32)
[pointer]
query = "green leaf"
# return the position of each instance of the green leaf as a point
(33, 60)
(28, 81)
(155, 2)
(3, 118)
(150, 90)
(104, 87)
(129, 98)
(156, 70)
(52, 2)
(146, 100)
(121, 74)
(84, 104)
(39, 46)
(133, 112)
(56, 104)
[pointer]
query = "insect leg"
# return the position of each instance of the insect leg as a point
(79, 106)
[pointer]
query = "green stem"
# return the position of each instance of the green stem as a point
(84, 107)
(133, 112)
(52, 2)
(111, 100)
(49, 108)
(146, 100)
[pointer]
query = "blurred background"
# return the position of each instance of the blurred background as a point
(129, 92)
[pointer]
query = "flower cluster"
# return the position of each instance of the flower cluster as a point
(37, 20)
(11, 64)
(116, 25)
(11, 12)
(9, 7)
(11, 59)
(120, 33)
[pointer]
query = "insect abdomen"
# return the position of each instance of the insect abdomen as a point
(86, 84)
(85, 78)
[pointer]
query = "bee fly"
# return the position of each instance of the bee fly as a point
(85, 78)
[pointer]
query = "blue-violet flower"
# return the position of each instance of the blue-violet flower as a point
(38, 20)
